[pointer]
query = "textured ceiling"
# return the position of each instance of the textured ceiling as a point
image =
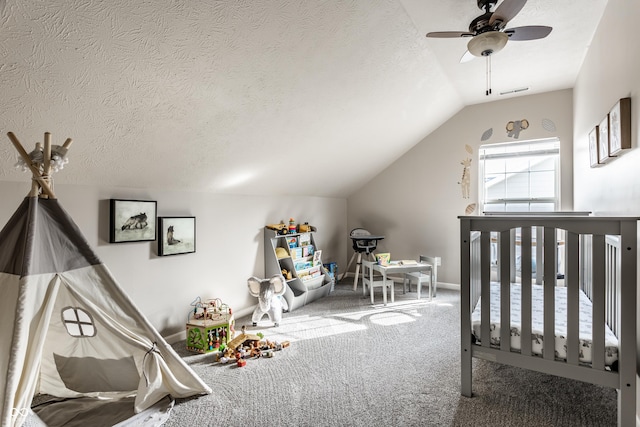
(254, 97)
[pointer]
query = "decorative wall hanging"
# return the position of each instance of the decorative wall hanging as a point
(470, 209)
(465, 182)
(620, 126)
(132, 221)
(515, 127)
(593, 147)
(548, 125)
(486, 134)
(177, 235)
(603, 140)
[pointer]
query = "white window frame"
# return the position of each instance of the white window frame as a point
(531, 151)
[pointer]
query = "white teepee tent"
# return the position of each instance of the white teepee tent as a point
(67, 328)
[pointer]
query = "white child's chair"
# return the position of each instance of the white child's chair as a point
(427, 276)
(371, 281)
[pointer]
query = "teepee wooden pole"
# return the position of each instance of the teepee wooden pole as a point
(36, 173)
(35, 187)
(47, 155)
(46, 158)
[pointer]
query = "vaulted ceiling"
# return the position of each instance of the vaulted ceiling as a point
(279, 97)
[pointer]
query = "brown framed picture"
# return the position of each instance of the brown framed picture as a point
(603, 140)
(177, 235)
(620, 126)
(132, 221)
(593, 147)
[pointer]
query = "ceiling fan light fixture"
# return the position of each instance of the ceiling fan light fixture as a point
(488, 43)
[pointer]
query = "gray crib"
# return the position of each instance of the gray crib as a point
(583, 271)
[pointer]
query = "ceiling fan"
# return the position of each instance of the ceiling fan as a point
(489, 34)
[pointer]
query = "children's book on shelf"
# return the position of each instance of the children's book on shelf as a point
(307, 250)
(317, 257)
(296, 253)
(303, 265)
(332, 269)
(305, 239)
(310, 274)
(292, 242)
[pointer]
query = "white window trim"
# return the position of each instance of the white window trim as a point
(481, 191)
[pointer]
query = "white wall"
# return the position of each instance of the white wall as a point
(416, 201)
(229, 243)
(611, 70)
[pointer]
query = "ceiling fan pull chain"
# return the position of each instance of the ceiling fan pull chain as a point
(488, 75)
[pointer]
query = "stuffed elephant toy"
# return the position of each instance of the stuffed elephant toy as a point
(269, 293)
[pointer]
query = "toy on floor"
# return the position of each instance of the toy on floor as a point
(210, 324)
(213, 309)
(246, 346)
(226, 355)
(269, 293)
(240, 361)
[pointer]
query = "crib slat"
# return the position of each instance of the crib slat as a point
(505, 289)
(512, 257)
(550, 266)
(526, 267)
(628, 328)
(485, 288)
(612, 281)
(474, 280)
(598, 300)
(586, 256)
(466, 306)
(573, 298)
(539, 255)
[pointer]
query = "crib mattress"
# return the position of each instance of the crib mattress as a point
(537, 324)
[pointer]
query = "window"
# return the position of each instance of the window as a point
(520, 176)
(78, 322)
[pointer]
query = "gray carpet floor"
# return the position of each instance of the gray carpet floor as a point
(351, 363)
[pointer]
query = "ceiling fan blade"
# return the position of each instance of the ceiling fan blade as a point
(468, 56)
(449, 34)
(506, 11)
(530, 32)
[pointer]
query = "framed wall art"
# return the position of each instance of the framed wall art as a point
(593, 147)
(132, 220)
(603, 140)
(620, 126)
(177, 235)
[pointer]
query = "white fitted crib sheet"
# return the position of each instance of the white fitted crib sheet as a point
(537, 324)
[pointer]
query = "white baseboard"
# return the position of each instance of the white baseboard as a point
(177, 337)
(452, 286)
(182, 335)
